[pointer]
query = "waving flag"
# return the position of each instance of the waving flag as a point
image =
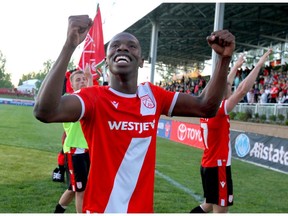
(93, 52)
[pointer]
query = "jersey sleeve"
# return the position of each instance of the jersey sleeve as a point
(87, 97)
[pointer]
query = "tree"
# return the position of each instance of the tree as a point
(166, 71)
(42, 73)
(47, 65)
(71, 65)
(5, 78)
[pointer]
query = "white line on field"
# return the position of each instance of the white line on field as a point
(178, 185)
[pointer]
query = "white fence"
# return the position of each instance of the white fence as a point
(268, 109)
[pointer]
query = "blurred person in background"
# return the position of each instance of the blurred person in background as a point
(76, 150)
(216, 160)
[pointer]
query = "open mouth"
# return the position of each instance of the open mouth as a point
(122, 59)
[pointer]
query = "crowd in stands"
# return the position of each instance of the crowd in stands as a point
(186, 85)
(270, 86)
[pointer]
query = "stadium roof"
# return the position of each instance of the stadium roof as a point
(183, 28)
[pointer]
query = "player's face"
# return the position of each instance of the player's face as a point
(124, 54)
(79, 81)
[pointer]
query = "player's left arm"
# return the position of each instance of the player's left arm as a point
(246, 84)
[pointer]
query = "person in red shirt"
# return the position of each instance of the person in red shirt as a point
(216, 160)
(120, 121)
(274, 93)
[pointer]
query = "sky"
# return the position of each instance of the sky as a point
(34, 31)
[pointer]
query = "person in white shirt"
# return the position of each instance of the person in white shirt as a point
(263, 96)
(250, 96)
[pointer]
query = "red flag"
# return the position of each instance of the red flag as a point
(68, 83)
(93, 52)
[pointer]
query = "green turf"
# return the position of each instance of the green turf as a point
(28, 155)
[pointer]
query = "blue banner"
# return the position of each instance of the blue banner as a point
(267, 151)
(18, 102)
(164, 128)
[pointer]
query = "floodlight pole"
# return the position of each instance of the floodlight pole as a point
(218, 25)
(153, 49)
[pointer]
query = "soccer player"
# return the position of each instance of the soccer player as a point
(76, 150)
(58, 174)
(216, 161)
(120, 121)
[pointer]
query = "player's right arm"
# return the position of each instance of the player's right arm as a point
(207, 103)
(50, 105)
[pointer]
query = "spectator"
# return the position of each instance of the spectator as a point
(263, 96)
(250, 96)
(281, 98)
(274, 93)
(237, 80)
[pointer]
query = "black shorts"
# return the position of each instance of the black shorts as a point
(78, 165)
(217, 185)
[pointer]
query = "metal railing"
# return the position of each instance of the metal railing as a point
(268, 109)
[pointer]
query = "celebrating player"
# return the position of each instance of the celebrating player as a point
(120, 121)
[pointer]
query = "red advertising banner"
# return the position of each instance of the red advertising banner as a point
(187, 133)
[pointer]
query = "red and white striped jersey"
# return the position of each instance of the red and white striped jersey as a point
(216, 137)
(121, 130)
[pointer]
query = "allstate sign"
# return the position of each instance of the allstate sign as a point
(267, 151)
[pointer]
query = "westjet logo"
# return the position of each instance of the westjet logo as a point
(130, 126)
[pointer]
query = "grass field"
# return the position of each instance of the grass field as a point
(28, 154)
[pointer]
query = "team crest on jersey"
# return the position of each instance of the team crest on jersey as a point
(79, 185)
(147, 102)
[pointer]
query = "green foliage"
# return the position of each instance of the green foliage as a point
(249, 113)
(281, 117)
(263, 117)
(5, 78)
(256, 115)
(166, 72)
(243, 116)
(285, 66)
(272, 118)
(277, 67)
(232, 115)
(40, 75)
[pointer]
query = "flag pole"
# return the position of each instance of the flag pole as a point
(104, 69)
(94, 51)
